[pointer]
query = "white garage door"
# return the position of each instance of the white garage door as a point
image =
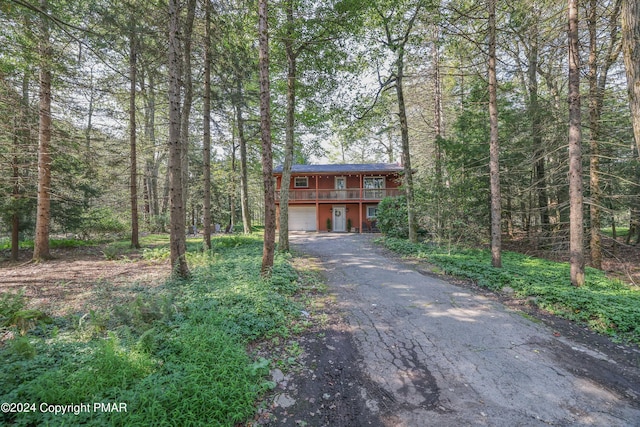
(302, 218)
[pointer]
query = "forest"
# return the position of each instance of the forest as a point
(125, 117)
(139, 264)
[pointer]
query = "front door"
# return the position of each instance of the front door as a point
(339, 219)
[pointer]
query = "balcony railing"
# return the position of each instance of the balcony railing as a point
(348, 194)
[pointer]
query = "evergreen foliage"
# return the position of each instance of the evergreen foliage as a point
(392, 217)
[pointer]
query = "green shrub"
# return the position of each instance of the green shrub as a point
(392, 219)
(10, 304)
(25, 320)
(111, 252)
(22, 348)
(156, 254)
(102, 221)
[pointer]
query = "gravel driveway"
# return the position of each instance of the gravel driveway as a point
(432, 353)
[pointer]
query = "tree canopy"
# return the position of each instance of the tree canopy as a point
(181, 86)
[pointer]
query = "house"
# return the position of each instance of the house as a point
(332, 197)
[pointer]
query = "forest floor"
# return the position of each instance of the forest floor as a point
(81, 279)
(344, 378)
(619, 260)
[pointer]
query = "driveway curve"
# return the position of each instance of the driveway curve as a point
(438, 354)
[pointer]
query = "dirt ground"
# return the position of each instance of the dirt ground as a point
(80, 279)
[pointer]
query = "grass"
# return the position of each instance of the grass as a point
(175, 356)
(5, 244)
(606, 305)
(119, 246)
(620, 231)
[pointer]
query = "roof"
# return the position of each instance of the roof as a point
(343, 168)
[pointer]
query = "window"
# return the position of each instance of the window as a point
(372, 211)
(301, 182)
(341, 183)
(374, 182)
(374, 187)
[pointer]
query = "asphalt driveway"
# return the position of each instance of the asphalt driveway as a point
(446, 356)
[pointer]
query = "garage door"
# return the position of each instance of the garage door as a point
(302, 218)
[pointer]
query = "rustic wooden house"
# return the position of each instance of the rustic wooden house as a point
(336, 197)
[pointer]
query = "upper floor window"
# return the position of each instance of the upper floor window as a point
(301, 182)
(374, 182)
(341, 183)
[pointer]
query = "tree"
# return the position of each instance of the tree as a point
(597, 79)
(309, 37)
(536, 123)
(237, 70)
(576, 238)
(187, 97)
(206, 143)
(133, 184)
(16, 146)
(494, 167)
(392, 20)
(242, 139)
(438, 120)
(177, 208)
(265, 133)
(631, 53)
(283, 239)
(43, 214)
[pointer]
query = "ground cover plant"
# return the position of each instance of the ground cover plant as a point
(5, 244)
(606, 305)
(176, 355)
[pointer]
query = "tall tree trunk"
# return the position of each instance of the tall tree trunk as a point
(494, 166)
(152, 162)
(265, 128)
(232, 189)
(187, 82)
(43, 213)
(536, 131)
(597, 86)
(576, 234)
(206, 143)
(439, 131)
(594, 124)
(90, 171)
(283, 240)
(177, 207)
(406, 156)
(631, 52)
(165, 193)
(21, 133)
(397, 46)
(133, 185)
(15, 217)
(244, 178)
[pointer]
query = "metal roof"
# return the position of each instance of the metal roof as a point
(343, 168)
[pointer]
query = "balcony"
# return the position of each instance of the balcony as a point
(350, 194)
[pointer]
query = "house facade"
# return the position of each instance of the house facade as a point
(336, 197)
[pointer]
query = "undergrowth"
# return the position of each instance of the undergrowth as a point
(175, 356)
(5, 244)
(606, 305)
